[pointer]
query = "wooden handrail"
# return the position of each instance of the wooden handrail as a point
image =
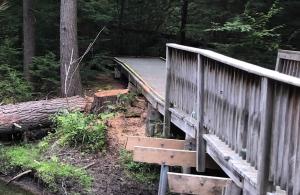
(245, 66)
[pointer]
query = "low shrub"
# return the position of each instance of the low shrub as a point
(78, 129)
(13, 87)
(140, 172)
(52, 172)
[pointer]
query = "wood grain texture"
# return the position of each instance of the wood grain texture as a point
(164, 156)
(32, 114)
(196, 184)
(133, 141)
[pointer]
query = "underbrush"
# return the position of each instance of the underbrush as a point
(77, 130)
(57, 176)
(140, 172)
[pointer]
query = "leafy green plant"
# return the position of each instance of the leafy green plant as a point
(257, 41)
(44, 73)
(9, 54)
(141, 172)
(52, 172)
(13, 87)
(78, 129)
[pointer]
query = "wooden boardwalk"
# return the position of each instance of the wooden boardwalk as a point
(247, 118)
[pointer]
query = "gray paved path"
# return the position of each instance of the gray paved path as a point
(152, 70)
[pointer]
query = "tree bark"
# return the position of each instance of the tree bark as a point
(120, 24)
(28, 36)
(29, 115)
(70, 80)
(184, 14)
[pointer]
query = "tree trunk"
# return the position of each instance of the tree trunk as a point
(121, 33)
(184, 13)
(69, 72)
(29, 115)
(28, 36)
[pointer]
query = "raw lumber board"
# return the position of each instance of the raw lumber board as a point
(196, 184)
(164, 156)
(133, 141)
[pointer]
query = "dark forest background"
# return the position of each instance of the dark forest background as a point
(250, 30)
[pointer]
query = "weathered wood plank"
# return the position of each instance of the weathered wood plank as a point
(133, 141)
(231, 163)
(196, 184)
(264, 149)
(167, 114)
(169, 157)
(200, 112)
(246, 67)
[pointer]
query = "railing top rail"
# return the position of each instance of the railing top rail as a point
(289, 55)
(245, 66)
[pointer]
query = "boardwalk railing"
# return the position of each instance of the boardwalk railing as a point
(255, 111)
(288, 62)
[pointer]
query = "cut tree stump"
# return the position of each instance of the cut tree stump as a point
(29, 115)
(104, 98)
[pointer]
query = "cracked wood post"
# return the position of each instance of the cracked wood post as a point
(266, 107)
(201, 146)
(163, 180)
(167, 114)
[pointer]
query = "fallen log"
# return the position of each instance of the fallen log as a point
(33, 114)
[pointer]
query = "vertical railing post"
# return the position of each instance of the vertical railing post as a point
(266, 111)
(167, 114)
(201, 146)
(163, 180)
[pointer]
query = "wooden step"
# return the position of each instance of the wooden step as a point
(133, 141)
(197, 184)
(163, 156)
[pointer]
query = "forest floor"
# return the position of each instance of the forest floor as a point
(110, 176)
(107, 171)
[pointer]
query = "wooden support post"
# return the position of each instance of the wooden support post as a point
(233, 189)
(154, 142)
(153, 123)
(163, 180)
(117, 73)
(200, 105)
(167, 113)
(265, 136)
(189, 144)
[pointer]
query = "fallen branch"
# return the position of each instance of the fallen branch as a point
(18, 176)
(88, 166)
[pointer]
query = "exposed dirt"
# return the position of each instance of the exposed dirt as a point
(109, 176)
(103, 81)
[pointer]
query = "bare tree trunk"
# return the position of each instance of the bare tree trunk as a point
(29, 115)
(70, 80)
(121, 33)
(28, 36)
(184, 14)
